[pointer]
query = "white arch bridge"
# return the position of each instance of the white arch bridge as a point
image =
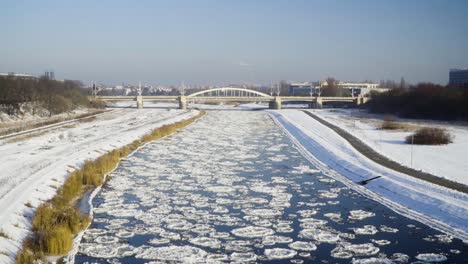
(234, 94)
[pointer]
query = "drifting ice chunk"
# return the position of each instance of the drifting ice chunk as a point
(431, 257)
(159, 241)
(360, 214)
(366, 230)
(320, 235)
(272, 240)
(309, 223)
(303, 169)
(172, 253)
(303, 246)
(206, 242)
(361, 249)
(372, 261)
(387, 229)
(381, 242)
(106, 240)
(252, 232)
(265, 213)
(327, 194)
(335, 217)
(280, 253)
(243, 257)
(400, 258)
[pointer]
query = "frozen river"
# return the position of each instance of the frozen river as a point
(233, 188)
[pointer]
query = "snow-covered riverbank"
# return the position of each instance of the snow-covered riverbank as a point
(32, 168)
(446, 161)
(433, 205)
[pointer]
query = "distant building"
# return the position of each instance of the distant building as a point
(357, 88)
(299, 89)
(458, 78)
(17, 75)
(49, 75)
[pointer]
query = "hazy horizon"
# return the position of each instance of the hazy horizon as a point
(220, 42)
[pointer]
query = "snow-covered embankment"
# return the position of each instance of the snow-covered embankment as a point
(438, 207)
(31, 169)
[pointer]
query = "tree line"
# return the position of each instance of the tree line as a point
(55, 96)
(424, 100)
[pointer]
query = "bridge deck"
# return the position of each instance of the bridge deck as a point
(230, 98)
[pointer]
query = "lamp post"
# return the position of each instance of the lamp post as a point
(412, 142)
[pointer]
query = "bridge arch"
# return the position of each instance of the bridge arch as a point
(226, 89)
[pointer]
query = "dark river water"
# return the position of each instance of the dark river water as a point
(233, 188)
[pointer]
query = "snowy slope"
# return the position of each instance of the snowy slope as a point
(441, 208)
(32, 168)
(447, 161)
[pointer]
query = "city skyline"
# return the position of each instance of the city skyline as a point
(214, 42)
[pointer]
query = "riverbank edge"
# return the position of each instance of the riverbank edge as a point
(112, 159)
(392, 205)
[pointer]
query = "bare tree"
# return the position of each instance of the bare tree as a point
(331, 88)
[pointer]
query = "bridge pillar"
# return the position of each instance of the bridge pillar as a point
(276, 104)
(139, 100)
(182, 102)
(318, 104)
(359, 100)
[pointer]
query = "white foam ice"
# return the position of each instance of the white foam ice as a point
(304, 169)
(238, 245)
(303, 246)
(326, 180)
(399, 258)
(106, 239)
(309, 223)
(327, 194)
(341, 254)
(360, 214)
(252, 231)
(159, 241)
(320, 235)
(380, 242)
(216, 258)
(106, 250)
(263, 212)
(274, 239)
(387, 229)
(280, 253)
(431, 257)
(243, 257)
(335, 217)
(179, 225)
(171, 253)
(124, 234)
(443, 238)
(366, 230)
(221, 189)
(208, 242)
(367, 249)
(372, 261)
(307, 213)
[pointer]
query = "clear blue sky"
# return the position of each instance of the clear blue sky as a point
(220, 42)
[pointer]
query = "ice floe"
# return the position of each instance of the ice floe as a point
(280, 253)
(252, 231)
(431, 257)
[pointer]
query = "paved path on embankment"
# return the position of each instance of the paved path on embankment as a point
(384, 161)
